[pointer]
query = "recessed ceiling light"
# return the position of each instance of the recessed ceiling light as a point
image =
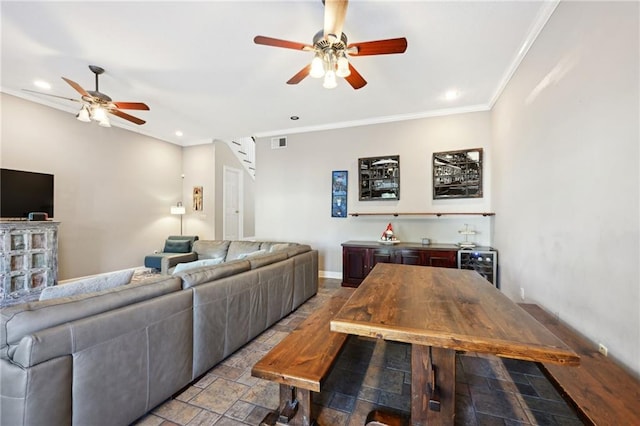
(451, 95)
(42, 84)
(294, 117)
(179, 133)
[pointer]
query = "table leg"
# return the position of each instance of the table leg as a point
(295, 408)
(432, 385)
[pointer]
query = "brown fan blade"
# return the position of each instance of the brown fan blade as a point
(131, 105)
(300, 75)
(126, 116)
(269, 41)
(334, 14)
(379, 47)
(76, 86)
(355, 79)
(49, 94)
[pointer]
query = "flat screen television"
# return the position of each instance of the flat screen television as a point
(23, 192)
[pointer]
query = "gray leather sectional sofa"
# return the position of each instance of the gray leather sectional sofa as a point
(108, 358)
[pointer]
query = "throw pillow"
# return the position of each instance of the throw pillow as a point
(177, 246)
(252, 254)
(196, 264)
(90, 284)
(279, 246)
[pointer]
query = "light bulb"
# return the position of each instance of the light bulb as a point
(343, 67)
(330, 80)
(317, 67)
(98, 114)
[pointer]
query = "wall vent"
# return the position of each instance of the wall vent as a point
(279, 142)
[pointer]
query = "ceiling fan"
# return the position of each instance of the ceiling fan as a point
(96, 104)
(331, 48)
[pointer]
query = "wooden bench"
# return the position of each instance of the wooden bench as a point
(302, 361)
(602, 392)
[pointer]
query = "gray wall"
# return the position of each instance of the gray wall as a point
(565, 175)
(198, 163)
(203, 165)
(293, 185)
(113, 188)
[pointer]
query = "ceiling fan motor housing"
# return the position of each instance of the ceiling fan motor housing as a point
(321, 43)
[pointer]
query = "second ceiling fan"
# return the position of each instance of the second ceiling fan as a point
(331, 49)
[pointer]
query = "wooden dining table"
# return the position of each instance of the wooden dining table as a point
(440, 311)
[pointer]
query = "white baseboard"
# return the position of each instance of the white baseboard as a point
(330, 274)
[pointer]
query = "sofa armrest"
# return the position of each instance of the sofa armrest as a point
(169, 261)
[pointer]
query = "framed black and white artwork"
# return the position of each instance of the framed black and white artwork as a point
(457, 174)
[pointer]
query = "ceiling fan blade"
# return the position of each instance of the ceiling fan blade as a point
(126, 116)
(355, 79)
(269, 41)
(49, 94)
(379, 47)
(131, 105)
(334, 14)
(300, 75)
(76, 86)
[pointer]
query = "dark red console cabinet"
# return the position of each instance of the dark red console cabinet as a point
(359, 257)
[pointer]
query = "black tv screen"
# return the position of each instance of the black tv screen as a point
(23, 192)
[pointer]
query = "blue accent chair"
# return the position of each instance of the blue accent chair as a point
(177, 249)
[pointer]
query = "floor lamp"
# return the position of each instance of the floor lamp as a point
(179, 210)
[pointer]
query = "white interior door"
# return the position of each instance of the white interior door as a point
(232, 204)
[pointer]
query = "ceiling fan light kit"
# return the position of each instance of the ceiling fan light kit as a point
(330, 49)
(329, 60)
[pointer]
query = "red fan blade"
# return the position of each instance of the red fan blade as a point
(126, 116)
(76, 86)
(379, 47)
(269, 41)
(334, 14)
(131, 105)
(49, 94)
(300, 75)
(355, 79)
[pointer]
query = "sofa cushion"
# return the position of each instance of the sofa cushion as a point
(297, 249)
(279, 246)
(251, 254)
(211, 249)
(197, 264)
(90, 284)
(237, 248)
(194, 277)
(267, 259)
(177, 246)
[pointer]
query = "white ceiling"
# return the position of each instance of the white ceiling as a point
(196, 66)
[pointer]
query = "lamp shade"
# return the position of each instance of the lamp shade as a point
(98, 114)
(83, 115)
(178, 209)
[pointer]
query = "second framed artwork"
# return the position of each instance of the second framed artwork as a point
(457, 174)
(339, 184)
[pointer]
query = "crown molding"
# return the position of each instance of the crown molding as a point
(375, 120)
(538, 24)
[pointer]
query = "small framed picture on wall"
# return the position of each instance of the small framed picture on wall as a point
(339, 193)
(197, 198)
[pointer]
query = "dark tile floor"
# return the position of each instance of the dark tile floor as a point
(370, 374)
